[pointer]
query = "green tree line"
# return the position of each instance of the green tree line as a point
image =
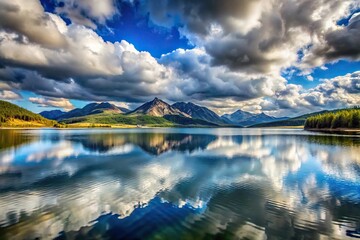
(346, 118)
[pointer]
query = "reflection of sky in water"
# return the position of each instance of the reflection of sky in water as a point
(233, 182)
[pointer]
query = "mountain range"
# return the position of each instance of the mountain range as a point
(153, 113)
(295, 121)
(246, 119)
(179, 113)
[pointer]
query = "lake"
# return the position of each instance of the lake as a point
(178, 184)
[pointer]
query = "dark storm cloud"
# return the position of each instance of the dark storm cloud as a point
(345, 42)
(91, 89)
(197, 15)
(257, 36)
(340, 43)
(242, 53)
(197, 79)
(239, 45)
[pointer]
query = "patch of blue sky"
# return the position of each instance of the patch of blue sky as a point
(328, 71)
(132, 25)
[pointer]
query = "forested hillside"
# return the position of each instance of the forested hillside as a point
(12, 115)
(347, 118)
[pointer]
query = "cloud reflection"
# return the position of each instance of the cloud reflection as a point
(251, 185)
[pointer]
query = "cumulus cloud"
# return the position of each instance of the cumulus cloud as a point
(9, 95)
(197, 79)
(52, 102)
(31, 23)
(230, 105)
(96, 69)
(241, 49)
(338, 92)
(176, 177)
(198, 15)
(253, 36)
(87, 12)
(294, 100)
(341, 42)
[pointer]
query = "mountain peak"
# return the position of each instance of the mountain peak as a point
(158, 108)
(263, 114)
(242, 114)
(52, 114)
(198, 112)
(240, 111)
(157, 100)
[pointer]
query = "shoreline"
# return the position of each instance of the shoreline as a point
(90, 126)
(347, 131)
(282, 127)
(115, 127)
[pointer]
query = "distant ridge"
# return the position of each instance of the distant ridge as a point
(89, 109)
(295, 121)
(246, 119)
(52, 114)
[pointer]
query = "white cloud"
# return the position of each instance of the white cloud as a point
(336, 42)
(32, 24)
(293, 100)
(174, 177)
(52, 102)
(338, 92)
(98, 68)
(9, 95)
(87, 12)
(241, 49)
(254, 36)
(197, 79)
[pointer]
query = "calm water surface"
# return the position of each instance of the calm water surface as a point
(178, 184)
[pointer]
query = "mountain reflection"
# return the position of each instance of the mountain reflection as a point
(238, 186)
(10, 138)
(153, 143)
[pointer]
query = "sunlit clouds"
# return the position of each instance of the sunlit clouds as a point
(240, 52)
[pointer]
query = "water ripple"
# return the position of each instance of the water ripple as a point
(179, 184)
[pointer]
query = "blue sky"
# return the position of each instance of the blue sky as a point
(135, 27)
(280, 58)
(331, 70)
